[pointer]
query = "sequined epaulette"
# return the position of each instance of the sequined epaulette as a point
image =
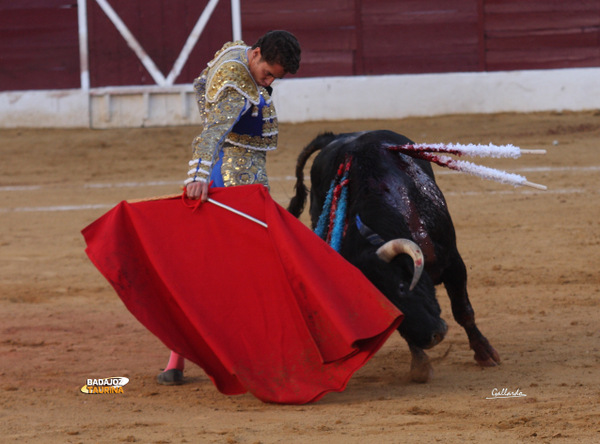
(230, 71)
(229, 46)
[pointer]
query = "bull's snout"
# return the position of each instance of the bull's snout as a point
(438, 335)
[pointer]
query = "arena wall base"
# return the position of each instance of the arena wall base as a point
(315, 99)
(398, 96)
(143, 107)
(44, 109)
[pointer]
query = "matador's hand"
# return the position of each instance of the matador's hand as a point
(197, 190)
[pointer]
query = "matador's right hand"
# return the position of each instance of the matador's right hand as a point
(197, 190)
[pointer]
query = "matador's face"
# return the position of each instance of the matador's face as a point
(263, 73)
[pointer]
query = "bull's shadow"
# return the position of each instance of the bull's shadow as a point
(383, 211)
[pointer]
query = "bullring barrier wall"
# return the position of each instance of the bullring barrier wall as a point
(314, 99)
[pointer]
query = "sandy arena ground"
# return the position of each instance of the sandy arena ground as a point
(533, 259)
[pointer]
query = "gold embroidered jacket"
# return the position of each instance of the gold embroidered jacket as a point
(239, 124)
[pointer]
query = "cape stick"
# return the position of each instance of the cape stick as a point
(217, 203)
(233, 210)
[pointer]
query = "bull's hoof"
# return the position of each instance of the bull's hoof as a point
(420, 366)
(490, 362)
(487, 356)
(421, 372)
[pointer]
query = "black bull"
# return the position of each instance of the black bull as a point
(394, 196)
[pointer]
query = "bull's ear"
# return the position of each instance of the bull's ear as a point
(393, 248)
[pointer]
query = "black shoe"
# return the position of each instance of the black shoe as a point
(170, 377)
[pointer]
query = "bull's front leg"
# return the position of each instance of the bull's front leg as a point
(455, 281)
(420, 366)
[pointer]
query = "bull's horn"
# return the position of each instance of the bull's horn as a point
(393, 248)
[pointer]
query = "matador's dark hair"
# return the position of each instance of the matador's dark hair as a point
(280, 47)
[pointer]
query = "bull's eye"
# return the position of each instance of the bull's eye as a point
(402, 288)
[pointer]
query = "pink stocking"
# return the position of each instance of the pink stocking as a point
(175, 361)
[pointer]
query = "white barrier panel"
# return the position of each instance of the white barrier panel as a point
(315, 99)
(143, 107)
(67, 108)
(398, 96)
